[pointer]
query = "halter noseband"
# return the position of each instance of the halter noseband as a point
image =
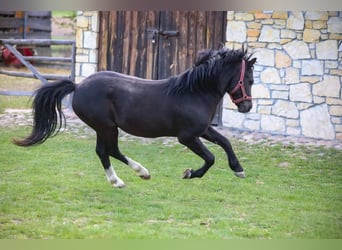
(240, 85)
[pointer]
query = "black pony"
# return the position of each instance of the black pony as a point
(182, 106)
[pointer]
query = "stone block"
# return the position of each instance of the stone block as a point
(261, 15)
(236, 31)
(291, 75)
(316, 15)
(318, 100)
(285, 109)
(252, 125)
(230, 15)
(330, 87)
(310, 79)
(274, 46)
(77, 69)
(88, 69)
(90, 40)
(293, 131)
(292, 122)
(297, 49)
(260, 91)
(265, 102)
(253, 32)
(93, 56)
(295, 21)
(267, 21)
(270, 75)
(338, 128)
(272, 123)
(311, 35)
(339, 136)
(243, 16)
(334, 36)
(266, 110)
(336, 72)
(312, 67)
(334, 101)
(232, 119)
(285, 33)
(335, 110)
(300, 92)
(315, 122)
(337, 120)
(269, 34)
(279, 15)
(82, 58)
(254, 25)
(264, 57)
(308, 24)
(280, 87)
(282, 60)
(251, 39)
(82, 22)
(280, 95)
(319, 25)
(95, 22)
(335, 25)
(327, 50)
(303, 105)
(331, 64)
(79, 38)
(280, 24)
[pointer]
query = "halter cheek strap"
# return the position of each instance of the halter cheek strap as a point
(240, 85)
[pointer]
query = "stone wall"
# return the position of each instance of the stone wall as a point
(87, 29)
(298, 73)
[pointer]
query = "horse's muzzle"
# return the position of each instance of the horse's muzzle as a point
(245, 106)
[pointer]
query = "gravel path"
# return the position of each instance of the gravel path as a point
(23, 117)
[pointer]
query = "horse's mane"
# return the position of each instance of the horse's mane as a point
(202, 76)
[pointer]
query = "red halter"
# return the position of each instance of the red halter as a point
(240, 85)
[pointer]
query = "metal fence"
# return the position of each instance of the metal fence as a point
(11, 44)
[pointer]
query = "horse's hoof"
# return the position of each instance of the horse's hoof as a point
(240, 174)
(145, 177)
(187, 173)
(118, 184)
(121, 185)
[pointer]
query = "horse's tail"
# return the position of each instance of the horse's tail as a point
(47, 112)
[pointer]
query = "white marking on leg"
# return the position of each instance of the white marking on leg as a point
(240, 174)
(136, 166)
(113, 178)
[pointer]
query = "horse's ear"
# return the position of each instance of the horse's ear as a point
(252, 61)
(202, 56)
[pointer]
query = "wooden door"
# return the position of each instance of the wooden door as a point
(157, 44)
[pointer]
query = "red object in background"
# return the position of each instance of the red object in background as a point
(11, 60)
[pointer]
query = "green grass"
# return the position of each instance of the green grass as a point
(59, 190)
(15, 102)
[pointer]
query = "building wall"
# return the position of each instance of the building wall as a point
(87, 29)
(298, 73)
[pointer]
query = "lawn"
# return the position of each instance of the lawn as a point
(59, 190)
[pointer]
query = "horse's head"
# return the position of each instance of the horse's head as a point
(240, 72)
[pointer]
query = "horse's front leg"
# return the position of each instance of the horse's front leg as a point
(213, 136)
(198, 148)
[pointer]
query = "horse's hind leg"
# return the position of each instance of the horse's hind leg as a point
(102, 152)
(111, 143)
